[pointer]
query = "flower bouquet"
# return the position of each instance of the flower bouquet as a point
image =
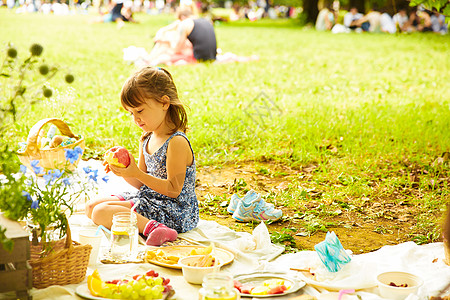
(50, 200)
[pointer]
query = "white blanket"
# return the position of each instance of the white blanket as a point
(256, 252)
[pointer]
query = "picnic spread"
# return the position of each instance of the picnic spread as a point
(252, 260)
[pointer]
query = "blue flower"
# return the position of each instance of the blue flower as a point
(87, 170)
(27, 195)
(48, 178)
(57, 173)
(36, 168)
(35, 204)
(73, 155)
(105, 178)
(23, 169)
(78, 150)
(52, 175)
(94, 175)
(66, 181)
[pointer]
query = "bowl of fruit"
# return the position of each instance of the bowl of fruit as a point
(148, 286)
(195, 267)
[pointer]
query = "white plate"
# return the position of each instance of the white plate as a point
(257, 278)
(83, 292)
(225, 257)
(333, 286)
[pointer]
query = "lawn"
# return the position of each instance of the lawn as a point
(357, 119)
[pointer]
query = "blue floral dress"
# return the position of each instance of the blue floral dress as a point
(179, 213)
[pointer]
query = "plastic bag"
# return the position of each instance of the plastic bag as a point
(331, 252)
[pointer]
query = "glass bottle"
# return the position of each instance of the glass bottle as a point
(124, 236)
(218, 286)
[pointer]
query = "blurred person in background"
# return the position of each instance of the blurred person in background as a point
(401, 20)
(200, 32)
(351, 20)
(326, 18)
(419, 20)
(119, 12)
(387, 24)
(438, 22)
(370, 22)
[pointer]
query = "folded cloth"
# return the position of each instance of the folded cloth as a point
(53, 292)
(251, 250)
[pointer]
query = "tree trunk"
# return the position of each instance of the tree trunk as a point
(311, 10)
(395, 5)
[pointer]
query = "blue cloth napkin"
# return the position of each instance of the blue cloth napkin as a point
(331, 253)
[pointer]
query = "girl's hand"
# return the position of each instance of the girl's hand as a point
(131, 171)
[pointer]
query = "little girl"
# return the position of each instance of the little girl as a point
(165, 173)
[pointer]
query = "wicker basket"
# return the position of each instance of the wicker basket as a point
(65, 265)
(52, 158)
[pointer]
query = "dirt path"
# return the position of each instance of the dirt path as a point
(364, 229)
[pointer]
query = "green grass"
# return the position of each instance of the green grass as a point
(365, 109)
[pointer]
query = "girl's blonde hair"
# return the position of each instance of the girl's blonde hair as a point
(154, 83)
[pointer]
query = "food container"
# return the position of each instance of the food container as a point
(398, 292)
(195, 274)
(217, 286)
(124, 236)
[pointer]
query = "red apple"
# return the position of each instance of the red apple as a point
(118, 156)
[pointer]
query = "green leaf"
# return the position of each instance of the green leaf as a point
(446, 12)
(7, 243)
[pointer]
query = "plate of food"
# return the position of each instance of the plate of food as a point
(83, 292)
(149, 286)
(264, 284)
(356, 281)
(169, 256)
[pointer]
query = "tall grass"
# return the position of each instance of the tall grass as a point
(378, 95)
(365, 110)
(358, 104)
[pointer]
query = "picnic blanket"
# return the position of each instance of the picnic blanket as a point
(255, 252)
(141, 58)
